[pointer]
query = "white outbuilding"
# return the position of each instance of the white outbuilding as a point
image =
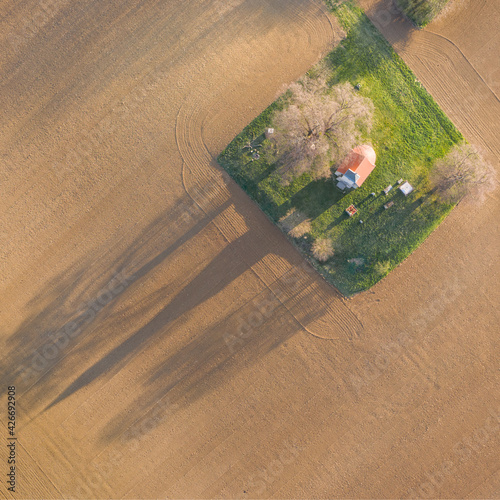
(406, 188)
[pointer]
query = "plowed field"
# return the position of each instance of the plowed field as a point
(164, 338)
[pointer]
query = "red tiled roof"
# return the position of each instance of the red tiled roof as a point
(359, 163)
(368, 151)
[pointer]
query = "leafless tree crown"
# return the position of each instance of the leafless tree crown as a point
(319, 127)
(463, 173)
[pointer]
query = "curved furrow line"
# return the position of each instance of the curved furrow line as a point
(306, 24)
(336, 315)
(470, 110)
(466, 59)
(204, 188)
(299, 296)
(205, 183)
(452, 19)
(317, 32)
(303, 294)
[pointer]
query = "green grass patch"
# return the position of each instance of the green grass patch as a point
(410, 131)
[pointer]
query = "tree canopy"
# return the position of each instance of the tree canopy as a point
(463, 173)
(319, 127)
(421, 11)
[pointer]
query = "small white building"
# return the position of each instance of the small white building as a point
(406, 188)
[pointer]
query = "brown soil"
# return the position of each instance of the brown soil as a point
(218, 364)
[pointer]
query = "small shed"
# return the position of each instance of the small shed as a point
(406, 188)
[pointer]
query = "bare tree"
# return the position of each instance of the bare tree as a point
(322, 249)
(320, 126)
(462, 174)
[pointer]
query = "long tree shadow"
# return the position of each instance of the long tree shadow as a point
(207, 361)
(60, 313)
(190, 366)
(389, 19)
(213, 279)
(66, 312)
(226, 267)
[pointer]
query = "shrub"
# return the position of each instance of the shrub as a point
(421, 12)
(382, 267)
(463, 173)
(322, 249)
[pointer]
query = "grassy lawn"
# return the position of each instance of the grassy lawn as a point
(410, 132)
